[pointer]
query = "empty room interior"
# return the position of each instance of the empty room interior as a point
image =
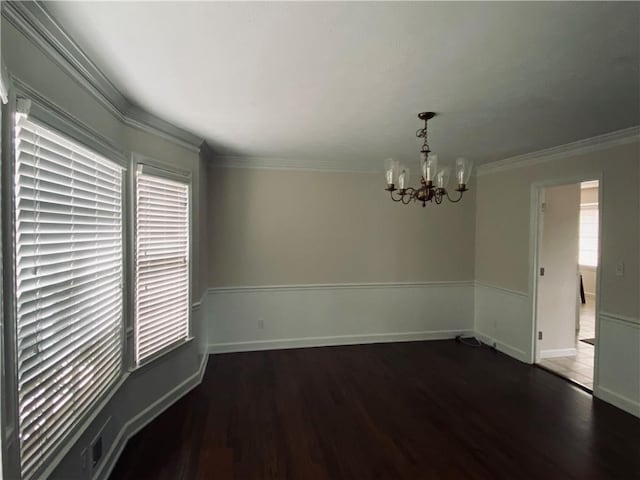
(320, 240)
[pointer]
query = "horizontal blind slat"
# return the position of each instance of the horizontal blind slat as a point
(44, 346)
(153, 344)
(165, 331)
(40, 391)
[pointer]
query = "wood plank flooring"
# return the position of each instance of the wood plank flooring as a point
(419, 410)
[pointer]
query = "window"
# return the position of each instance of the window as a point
(162, 263)
(68, 286)
(589, 235)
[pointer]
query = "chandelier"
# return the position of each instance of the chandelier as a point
(434, 181)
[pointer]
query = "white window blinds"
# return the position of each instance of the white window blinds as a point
(162, 264)
(68, 268)
(588, 235)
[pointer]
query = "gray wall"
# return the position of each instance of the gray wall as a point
(269, 227)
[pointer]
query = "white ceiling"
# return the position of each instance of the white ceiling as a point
(343, 82)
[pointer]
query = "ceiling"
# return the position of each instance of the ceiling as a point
(343, 82)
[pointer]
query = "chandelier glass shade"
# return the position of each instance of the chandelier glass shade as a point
(434, 177)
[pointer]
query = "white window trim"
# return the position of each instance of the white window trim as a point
(169, 171)
(4, 84)
(4, 98)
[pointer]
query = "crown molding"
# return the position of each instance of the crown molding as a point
(75, 128)
(34, 21)
(275, 163)
(581, 147)
(141, 119)
(593, 144)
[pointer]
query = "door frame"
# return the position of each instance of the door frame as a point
(535, 227)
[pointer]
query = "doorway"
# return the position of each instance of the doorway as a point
(566, 280)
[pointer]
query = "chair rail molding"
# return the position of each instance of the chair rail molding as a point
(334, 286)
(276, 163)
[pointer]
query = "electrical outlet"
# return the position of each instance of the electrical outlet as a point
(261, 324)
(540, 335)
(620, 269)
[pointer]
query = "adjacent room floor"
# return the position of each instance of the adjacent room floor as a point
(579, 368)
(390, 411)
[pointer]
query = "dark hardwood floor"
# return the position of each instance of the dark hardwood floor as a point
(402, 410)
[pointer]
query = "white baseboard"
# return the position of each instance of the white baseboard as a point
(287, 343)
(620, 401)
(503, 347)
(558, 352)
(141, 420)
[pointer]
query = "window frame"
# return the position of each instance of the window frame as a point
(4, 100)
(67, 126)
(156, 167)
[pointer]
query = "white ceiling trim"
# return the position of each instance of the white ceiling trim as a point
(53, 114)
(271, 163)
(581, 147)
(34, 21)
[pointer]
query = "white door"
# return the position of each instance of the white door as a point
(558, 280)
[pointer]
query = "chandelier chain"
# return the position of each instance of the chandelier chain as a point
(422, 133)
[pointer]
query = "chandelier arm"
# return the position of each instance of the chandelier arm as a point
(411, 195)
(399, 199)
(457, 200)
